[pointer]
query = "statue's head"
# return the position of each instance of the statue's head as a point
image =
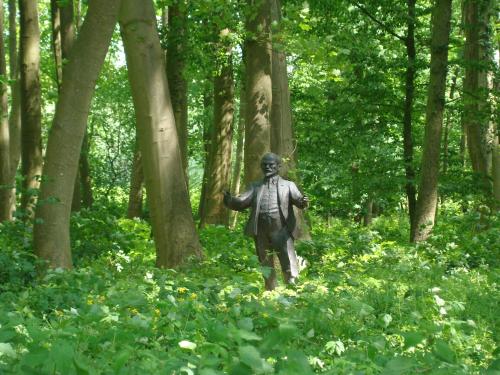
(270, 164)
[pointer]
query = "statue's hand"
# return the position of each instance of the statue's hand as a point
(305, 201)
(227, 196)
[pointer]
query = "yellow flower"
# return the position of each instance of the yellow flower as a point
(59, 312)
(90, 301)
(193, 296)
(181, 290)
(157, 312)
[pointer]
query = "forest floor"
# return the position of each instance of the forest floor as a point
(367, 303)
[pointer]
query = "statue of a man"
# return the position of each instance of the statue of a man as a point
(272, 221)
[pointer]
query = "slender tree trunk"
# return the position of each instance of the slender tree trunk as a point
(207, 131)
(427, 193)
(238, 161)
(31, 116)
(258, 87)
(55, 18)
(171, 217)
(282, 136)
(474, 90)
(368, 214)
(411, 192)
(220, 147)
(495, 164)
(447, 126)
(136, 186)
(85, 176)
(15, 112)
(176, 62)
(5, 187)
(51, 231)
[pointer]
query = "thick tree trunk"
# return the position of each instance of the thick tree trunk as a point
(282, 136)
(411, 191)
(258, 87)
(51, 231)
(476, 119)
(171, 217)
(135, 196)
(31, 116)
(176, 62)
(427, 193)
(220, 147)
(5, 169)
(15, 112)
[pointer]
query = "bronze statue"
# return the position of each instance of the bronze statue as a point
(272, 221)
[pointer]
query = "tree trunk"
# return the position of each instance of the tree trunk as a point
(476, 119)
(171, 217)
(207, 131)
(368, 214)
(240, 134)
(85, 177)
(427, 193)
(282, 136)
(31, 129)
(447, 125)
(220, 147)
(51, 231)
(495, 163)
(258, 87)
(5, 187)
(136, 186)
(411, 192)
(176, 62)
(15, 112)
(55, 18)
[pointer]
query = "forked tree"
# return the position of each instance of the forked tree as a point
(51, 230)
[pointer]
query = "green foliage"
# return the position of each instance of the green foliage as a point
(367, 302)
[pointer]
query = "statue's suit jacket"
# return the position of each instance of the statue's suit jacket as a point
(288, 196)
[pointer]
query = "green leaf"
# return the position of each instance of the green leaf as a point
(398, 366)
(296, 363)
(443, 351)
(246, 324)
(412, 339)
(250, 336)
(250, 356)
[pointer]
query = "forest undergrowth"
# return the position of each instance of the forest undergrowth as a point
(367, 303)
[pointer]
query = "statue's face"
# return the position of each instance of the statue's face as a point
(270, 167)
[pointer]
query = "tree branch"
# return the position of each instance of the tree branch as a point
(380, 23)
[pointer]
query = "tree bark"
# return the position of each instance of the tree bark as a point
(171, 217)
(428, 192)
(476, 119)
(207, 131)
(31, 129)
(55, 18)
(51, 230)
(135, 196)
(258, 87)
(176, 62)
(220, 146)
(447, 125)
(283, 141)
(85, 176)
(15, 112)
(411, 191)
(238, 161)
(5, 169)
